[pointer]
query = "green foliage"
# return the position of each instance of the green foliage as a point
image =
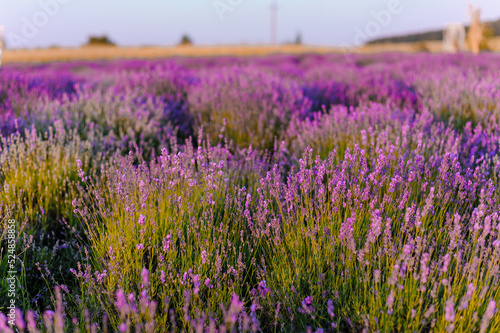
(39, 177)
(186, 41)
(100, 41)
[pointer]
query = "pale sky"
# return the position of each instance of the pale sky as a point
(43, 23)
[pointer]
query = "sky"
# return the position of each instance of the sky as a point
(45, 23)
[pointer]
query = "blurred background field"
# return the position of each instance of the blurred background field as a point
(117, 52)
(53, 30)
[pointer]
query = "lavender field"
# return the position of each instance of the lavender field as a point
(306, 193)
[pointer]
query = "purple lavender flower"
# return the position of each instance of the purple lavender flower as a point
(262, 288)
(142, 220)
(19, 322)
(307, 305)
(330, 308)
(488, 315)
(449, 311)
(166, 243)
(123, 327)
(203, 256)
(390, 303)
(196, 283)
(145, 276)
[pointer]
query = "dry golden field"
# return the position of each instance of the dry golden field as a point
(112, 52)
(151, 52)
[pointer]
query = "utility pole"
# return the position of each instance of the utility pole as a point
(274, 23)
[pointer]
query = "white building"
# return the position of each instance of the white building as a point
(454, 38)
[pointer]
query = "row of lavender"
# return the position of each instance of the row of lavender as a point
(317, 193)
(262, 100)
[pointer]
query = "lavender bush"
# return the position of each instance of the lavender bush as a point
(286, 193)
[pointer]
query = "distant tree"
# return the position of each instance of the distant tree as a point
(186, 40)
(488, 34)
(298, 39)
(99, 41)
